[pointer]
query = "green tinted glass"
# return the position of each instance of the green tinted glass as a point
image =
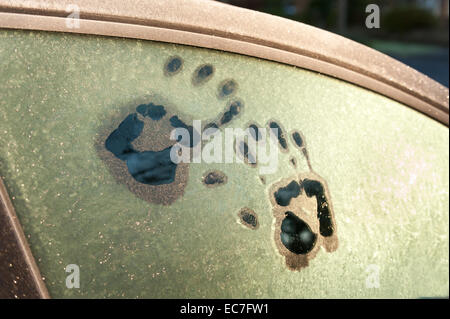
(357, 205)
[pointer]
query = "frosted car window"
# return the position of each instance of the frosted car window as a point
(85, 127)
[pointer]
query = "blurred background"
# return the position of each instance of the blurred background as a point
(415, 32)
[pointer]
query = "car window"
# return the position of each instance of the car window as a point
(87, 129)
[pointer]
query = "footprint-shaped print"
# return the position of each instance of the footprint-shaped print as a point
(303, 213)
(302, 209)
(137, 152)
